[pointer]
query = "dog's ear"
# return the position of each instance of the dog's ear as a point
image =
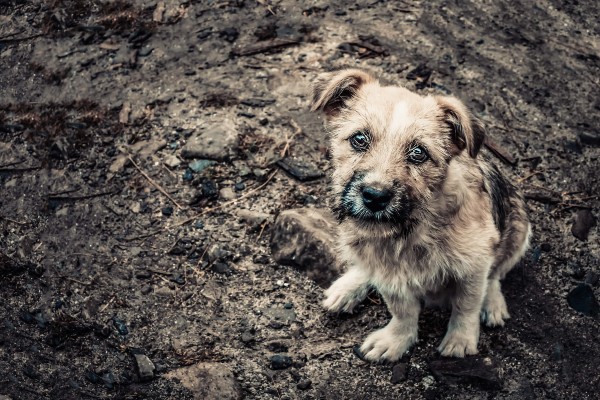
(332, 90)
(466, 130)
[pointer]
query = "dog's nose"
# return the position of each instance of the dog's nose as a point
(375, 199)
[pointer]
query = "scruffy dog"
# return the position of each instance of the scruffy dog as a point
(422, 217)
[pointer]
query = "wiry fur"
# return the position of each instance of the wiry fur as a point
(453, 229)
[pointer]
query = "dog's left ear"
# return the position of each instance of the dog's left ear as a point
(466, 130)
(332, 90)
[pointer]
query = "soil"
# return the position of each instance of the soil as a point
(112, 245)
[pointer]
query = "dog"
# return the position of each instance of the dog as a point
(423, 217)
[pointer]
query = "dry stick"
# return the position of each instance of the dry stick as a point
(12, 220)
(104, 307)
(156, 185)
(288, 140)
(249, 193)
(521, 180)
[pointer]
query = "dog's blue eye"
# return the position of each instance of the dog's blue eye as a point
(417, 155)
(360, 141)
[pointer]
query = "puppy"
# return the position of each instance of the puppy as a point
(422, 216)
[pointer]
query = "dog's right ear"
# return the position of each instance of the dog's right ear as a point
(332, 90)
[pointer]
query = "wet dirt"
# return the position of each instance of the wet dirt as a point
(114, 245)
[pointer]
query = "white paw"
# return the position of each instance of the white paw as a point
(458, 343)
(388, 344)
(494, 312)
(340, 298)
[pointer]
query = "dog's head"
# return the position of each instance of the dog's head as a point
(391, 148)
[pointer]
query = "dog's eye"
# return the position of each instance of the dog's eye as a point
(417, 155)
(360, 141)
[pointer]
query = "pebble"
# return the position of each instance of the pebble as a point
(145, 367)
(120, 325)
(240, 186)
(172, 161)
(227, 193)
(476, 371)
(584, 221)
(279, 361)
(302, 170)
(200, 165)
(590, 138)
(399, 372)
(304, 384)
(582, 299)
(221, 268)
(216, 143)
(167, 211)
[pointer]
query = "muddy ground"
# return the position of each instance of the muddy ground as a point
(117, 253)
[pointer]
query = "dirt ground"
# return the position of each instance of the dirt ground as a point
(118, 253)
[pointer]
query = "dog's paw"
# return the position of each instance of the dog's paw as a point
(494, 311)
(340, 299)
(458, 343)
(387, 344)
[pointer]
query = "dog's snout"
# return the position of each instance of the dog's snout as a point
(376, 199)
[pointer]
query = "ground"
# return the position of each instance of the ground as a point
(114, 246)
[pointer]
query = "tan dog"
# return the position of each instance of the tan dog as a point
(422, 216)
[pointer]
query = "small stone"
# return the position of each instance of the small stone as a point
(172, 161)
(143, 274)
(145, 51)
(256, 102)
(227, 193)
(582, 299)
(305, 238)
(199, 225)
(208, 381)
(145, 367)
(304, 384)
(399, 372)
(279, 361)
(200, 165)
(218, 142)
(476, 371)
(188, 175)
(247, 337)
(120, 325)
(260, 172)
(300, 169)
(590, 138)
(288, 306)
(240, 186)
(146, 290)
(591, 278)
(263, 121)
(167, 211)
(261, 259)
(221, 268)
(584, 221)
(276, 325)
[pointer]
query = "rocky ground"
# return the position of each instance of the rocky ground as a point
(147, 147)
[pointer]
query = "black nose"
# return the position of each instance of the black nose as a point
(375, 199)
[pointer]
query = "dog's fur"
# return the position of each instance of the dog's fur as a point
(454, 227)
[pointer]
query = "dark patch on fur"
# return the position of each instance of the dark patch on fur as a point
(500, 192)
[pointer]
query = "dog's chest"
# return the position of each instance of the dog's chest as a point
(402, 265)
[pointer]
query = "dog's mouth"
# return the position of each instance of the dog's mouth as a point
(395, 213)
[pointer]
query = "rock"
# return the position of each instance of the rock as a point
(216, 143)
(591, 278)
(399, 372)
(255, 219)
(208, 381)
(304, 384)
(120, 325)
(255, 102)
(200, 165)
(584, 221)
(172, 161)
(590, 138)
(145, 367)
(167, 211)
(582, 299)
(221, 268)
(476, 371)
(227, 193)
(300, 169)
(279, 361)
(304, 238)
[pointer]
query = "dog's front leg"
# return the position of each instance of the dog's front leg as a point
(348, 291)
(463, 329)
(390, 343)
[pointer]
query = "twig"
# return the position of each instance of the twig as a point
(12, 220)
(156, 185)
(521, 180)
(297, 131)
(499, 151)
(104, 307)
(262, 229)
(264, 47)
(75, 198)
